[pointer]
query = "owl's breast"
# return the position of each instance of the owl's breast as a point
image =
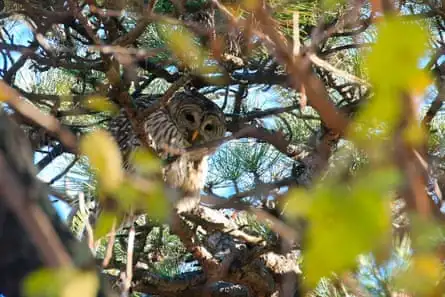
(187, 175)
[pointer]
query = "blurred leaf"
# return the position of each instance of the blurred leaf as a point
(298, 203)
(42, 282)
(149, 196)
(157, 204)
(100, 103)
(83, 284)
(414, 134)
(129, 196)
(426, 234)
(251, 5)
(422, 276)
(392, 67)
(332, 4)
(393, 61)
(145, 161)
(348, 221)
(184, 46)
(104, 155)
(64, 282)
(105, 223)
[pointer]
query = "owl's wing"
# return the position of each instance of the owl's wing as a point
(122, 130)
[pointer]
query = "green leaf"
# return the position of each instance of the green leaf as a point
(100, 103)
(63, 282)
(393, 68)
(184, 46)
(346, 222)
(42, 282)
(105, 223)
(150, 197)
(157, 205)
(145, 162)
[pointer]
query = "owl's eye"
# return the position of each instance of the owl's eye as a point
(189, 117)
(208, 127)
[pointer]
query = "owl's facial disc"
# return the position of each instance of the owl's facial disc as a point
(211, 128)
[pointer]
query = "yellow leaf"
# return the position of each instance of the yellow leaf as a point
(184, 46)
(422, 276)
(144, 161)
(420, 82)
(85, 284)
(104, 224)
(393, 62)
(414, 134)
(297, 204)
(349, 220)
(393, 68)
(100, 103)
(251, 5)
(104, 155)
(157, 203)
(42, 282)
(62, 282)
(148, 195)
(129, 196)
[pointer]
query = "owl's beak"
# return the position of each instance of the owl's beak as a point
(195, 135)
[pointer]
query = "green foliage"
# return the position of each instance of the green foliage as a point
(65, 282)
(350, 220)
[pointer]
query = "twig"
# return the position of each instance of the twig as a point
(65, 171)
(32, 113)
(110, 244)
(434, 108)
(321, 63)
(129, 266)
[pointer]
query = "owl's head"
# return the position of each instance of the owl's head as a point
(196, 117)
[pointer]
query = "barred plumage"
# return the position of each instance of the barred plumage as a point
(188, 118)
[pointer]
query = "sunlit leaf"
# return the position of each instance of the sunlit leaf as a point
(105, 223)
(63, 282)
(414, 134)
(84, 284)
(348, 221)
(298, 203)
(104, 156)
(145, 161)
(251, 5)
(147, 195)
(100, 103)
(128, 196)
(184, 46)
(42, 282)
(393, 68)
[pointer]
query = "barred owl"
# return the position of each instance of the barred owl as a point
(188, 118)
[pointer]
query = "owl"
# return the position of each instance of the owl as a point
(189, 118)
